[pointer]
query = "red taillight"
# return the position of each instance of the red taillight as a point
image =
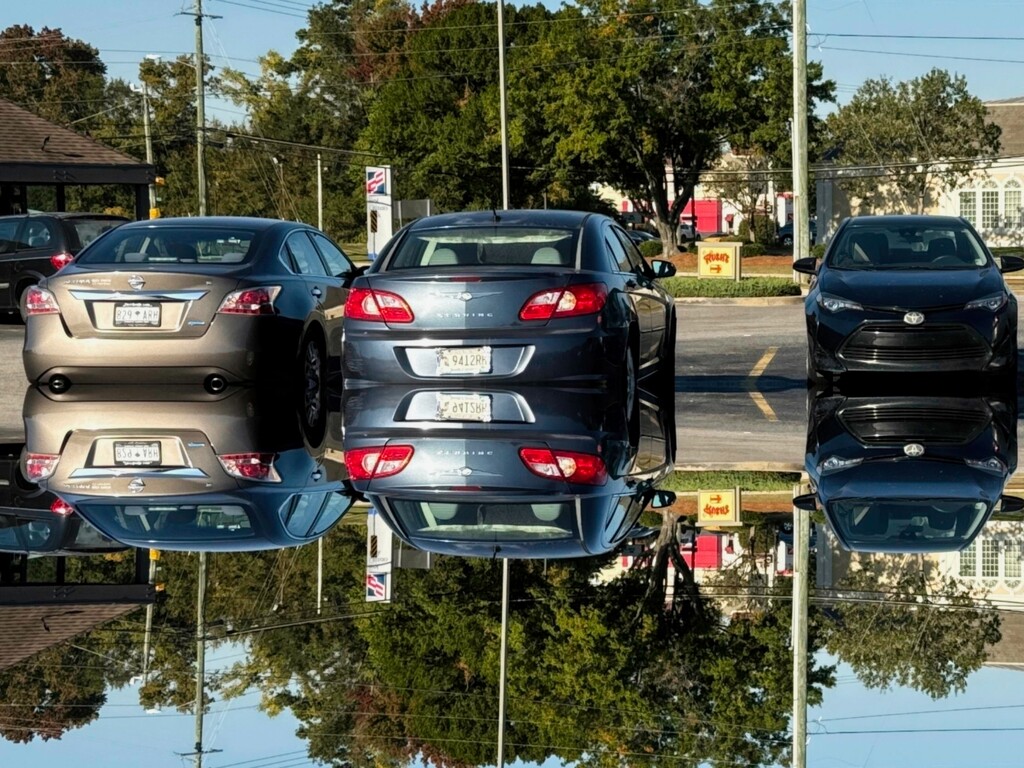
(379, 306)
(39, 301)
(379, 461)
(568, 302)
(61, 507)
(582, 468)
(61, 260)
(250, 466)
(39, 466)
(250, 301)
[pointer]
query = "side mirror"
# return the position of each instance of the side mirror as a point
(1010, 505)
(807, 501)
(808, 266)
(1010, 263)
(353, 273)
(662, 499)
(662, 268)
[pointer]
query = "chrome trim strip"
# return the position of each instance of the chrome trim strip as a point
(137, 295)
(89, 472)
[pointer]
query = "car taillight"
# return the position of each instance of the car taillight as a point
(250, 466)
(582, 468)
(379, 306)
(61, 507)
(250, 301)
(61, 260)
(379, 461)
(39, 301)
(568, 302)
(39, 466)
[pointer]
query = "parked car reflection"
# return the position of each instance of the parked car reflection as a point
(34, 521)
(543, 473)
(224, 472)
(911, 473)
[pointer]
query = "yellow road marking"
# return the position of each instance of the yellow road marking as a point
(755, 372)
(761, 403)
(766, 358)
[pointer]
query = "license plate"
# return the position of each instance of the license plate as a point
(136, 453)
(463, 407)
(136, 314)
(463, 360)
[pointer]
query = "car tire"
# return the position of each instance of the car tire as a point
(787, 241)
(314, 385)
(667, 371)
(627, 384)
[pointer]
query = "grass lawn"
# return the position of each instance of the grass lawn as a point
(748, 481)
(682, 287)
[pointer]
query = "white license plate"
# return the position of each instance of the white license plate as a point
(135, 314)
(461, 361)
(136, 453)
(463, 407)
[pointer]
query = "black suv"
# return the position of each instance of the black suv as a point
(33, 246)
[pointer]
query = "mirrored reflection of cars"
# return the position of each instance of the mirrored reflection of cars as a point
(526, 473)
(911, 473)
(34, 246)
(225, 472)
(36, 522)
(909, 294)
(174, 301)
(552, 297)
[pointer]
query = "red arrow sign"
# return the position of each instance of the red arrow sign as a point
(716, 499)
(715, 268)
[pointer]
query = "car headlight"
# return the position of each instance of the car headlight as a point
(836, 463)
(993, 465)
(992, 303)
(835, 304)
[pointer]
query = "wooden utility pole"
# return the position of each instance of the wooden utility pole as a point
(200, 111)
(801, 574)
(801, 218)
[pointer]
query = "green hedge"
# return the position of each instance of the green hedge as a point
(818, 251)
(651, 249)
(681, 287)
(753, 249)
(748, 481)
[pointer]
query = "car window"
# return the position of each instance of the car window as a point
(337, 505)
(617, 251)
(170, 244)
(632, 253)
(337, 262)
(302, 512)
(485, 246)
(304, 255)
(84, 231)
(40, 233)
(9, 234)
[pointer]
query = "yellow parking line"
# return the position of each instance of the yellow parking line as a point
(766, 358)
(761, 403)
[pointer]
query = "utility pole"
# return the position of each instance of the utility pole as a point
(801, 568)
(200, 655)
(154, 556)
(320, 226)
(153, 213)
(200, 110)
(503, 660)
(801, 219)
(320, 551)
(504, 114)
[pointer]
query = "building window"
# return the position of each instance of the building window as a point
(969, 207)
(1011, 560)
(989, 559)
(989, 205)
(969, 560)
(1012, 204)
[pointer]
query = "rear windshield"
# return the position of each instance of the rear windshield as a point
(488, 521)
(173, 245)
(476, 246)
(87, 230)
(175, 522)
(908, 246)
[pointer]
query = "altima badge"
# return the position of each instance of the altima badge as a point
(913, 450)
(913, 318)
(137, 485)
(136, 282)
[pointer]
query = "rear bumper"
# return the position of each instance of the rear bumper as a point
(565, 357)
(240, 349)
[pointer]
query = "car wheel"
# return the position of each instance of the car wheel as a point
(627, 381)
(667, 371)
(787, 241)
(314, 415)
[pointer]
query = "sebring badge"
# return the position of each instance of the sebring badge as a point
(136, 282)
(913, 318)
(913, 450)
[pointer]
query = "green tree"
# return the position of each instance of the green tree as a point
(922, 133)
(928, 637)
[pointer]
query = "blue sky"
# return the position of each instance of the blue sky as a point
(126, 30)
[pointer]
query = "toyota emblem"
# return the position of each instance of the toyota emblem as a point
(913, 450)
(913, 318)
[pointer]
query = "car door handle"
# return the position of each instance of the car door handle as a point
(317, 292)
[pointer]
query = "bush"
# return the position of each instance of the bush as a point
(764, 229)
(651, 249)
(752, 249)
(747, 480)
(818, 251)
(722, 289)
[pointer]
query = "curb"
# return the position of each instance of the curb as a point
(742, 466)
(760, 301)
